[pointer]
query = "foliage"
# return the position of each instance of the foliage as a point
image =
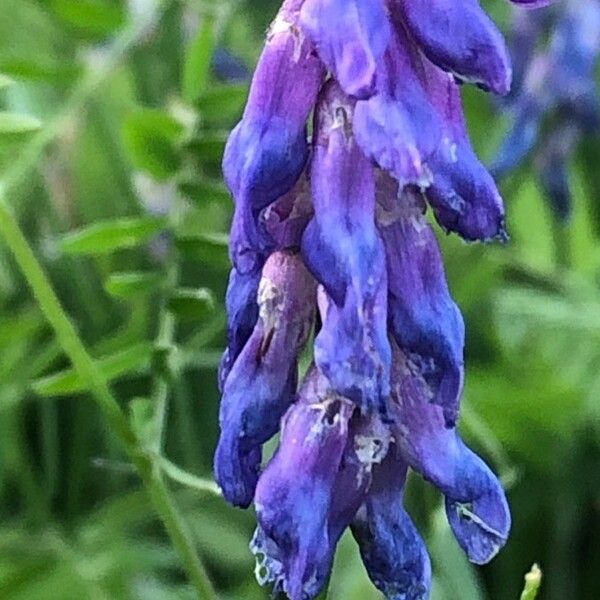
(111, 131)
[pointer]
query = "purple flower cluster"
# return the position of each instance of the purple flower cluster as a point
(330, 234)
(555, 100)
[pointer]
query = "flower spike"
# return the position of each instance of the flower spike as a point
(330, 227)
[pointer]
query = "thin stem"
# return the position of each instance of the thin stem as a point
(177, 474)
(562, 244)
(84, 364)
(164, 339)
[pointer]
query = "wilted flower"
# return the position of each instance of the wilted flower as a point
(334, 225)
(554, 102)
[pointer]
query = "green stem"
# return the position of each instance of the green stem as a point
(562, 244)
(88, 371)
(164, 340)
(177, 474)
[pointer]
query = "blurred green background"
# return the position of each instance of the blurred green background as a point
(112, 126)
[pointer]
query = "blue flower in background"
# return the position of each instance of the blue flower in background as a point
(554, 102)
(228, 67)
(330, 235)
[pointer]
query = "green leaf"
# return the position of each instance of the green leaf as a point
(202, 191)
(222, 104)
(133, 359)
(208, 248)
(93, 15)
(14, 123)
(131, 284)
(43, 69)
(191, 304)
(209, 147)
(533, 580)
(196, 70)
(108, 236)
(152, 140)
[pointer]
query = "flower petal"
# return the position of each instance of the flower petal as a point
(460, 38)
(242, 314)
(398, 128)
(267, 151)
(552, 165)
(476, 506)
(344, 252)
(532, 3)
(262, 382)
(295, 493)
(282, 225)
(286, 219)
(520, 139)
(423, 317)
(391, 548)
(350, 36)
(463, 194)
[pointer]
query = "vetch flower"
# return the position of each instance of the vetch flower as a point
(390, 545)
(262, 381)
(330, 230)
(343, 250)
(267, 151)
(555, 99)
(423, 318)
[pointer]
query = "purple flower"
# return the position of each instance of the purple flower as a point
(343, 250)
(423, 318)
(398, 127)
(352, 48)
(475, 503)
(460, 38)
(390, 545)
(555, 102)
(335, 222)
(262, 382)
(267, 151)
(295, 494)
(463, 194)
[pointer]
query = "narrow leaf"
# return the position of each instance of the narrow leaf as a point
(92, 15)
(209, 147)
(134, 359)
(188, 479)
(191, 304)
(108, 236)
(201, 191)
(208, 248)
(222, 104)
(152, 140)
(196, 69)
(14, 123)
(131, 284)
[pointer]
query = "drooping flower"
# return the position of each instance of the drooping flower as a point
(334, 225)
(555, 101)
